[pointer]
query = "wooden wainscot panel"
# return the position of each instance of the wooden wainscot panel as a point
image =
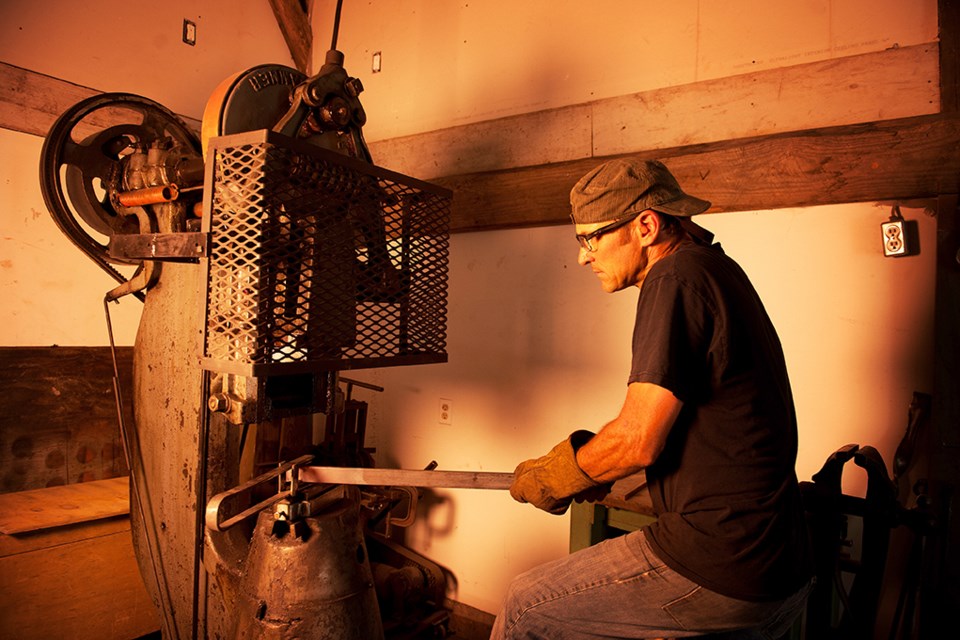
(58, 417)
(40, 509)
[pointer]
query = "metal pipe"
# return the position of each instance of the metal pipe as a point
(336, 24)
(149, 195)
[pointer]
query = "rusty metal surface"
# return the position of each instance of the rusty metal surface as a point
(166, 448)
(148, 195)
(310, 262)
(309, 580)
(156, 246)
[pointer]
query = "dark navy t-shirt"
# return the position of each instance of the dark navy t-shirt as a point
(729, 513)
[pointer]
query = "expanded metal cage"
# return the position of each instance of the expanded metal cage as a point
(318, 261)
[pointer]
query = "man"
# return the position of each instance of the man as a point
(708, 416)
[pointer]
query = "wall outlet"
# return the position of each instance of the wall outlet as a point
(900, 236)
(894, 239)
(189, 32)
(445, 415)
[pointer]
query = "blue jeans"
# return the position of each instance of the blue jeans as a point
(620, 589)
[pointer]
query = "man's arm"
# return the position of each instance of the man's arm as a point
(634, 439)
(585, 465)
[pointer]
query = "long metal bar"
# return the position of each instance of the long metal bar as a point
(406, 477)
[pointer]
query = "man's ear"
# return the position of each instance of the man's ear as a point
(647, 227)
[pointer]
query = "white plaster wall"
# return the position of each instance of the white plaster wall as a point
(448, 63)
(537, 350)
(136, 46)
(53, 294)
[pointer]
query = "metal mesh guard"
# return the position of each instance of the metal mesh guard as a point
(319, 261)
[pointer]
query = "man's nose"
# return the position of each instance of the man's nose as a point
(584, 257)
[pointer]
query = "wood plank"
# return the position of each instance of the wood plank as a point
(295, 26)
(864, 163)
(894, 160)
(883, 85)
(31, 102)
(940, 588)
(90, 588)
(469, 623)
(948, 13)
(44, 538)
(68, 504)
(630, 494)
(530, 139)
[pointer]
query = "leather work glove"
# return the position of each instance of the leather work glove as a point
(553, 481)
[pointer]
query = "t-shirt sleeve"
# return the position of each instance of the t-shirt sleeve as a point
(671, 338)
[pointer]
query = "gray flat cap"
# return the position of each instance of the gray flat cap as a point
(622, 187)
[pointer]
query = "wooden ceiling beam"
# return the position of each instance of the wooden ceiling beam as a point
(898, 159)
(293, 18)
(31, 102)
(892, 160)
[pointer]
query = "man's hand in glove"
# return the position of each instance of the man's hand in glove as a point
(552, 482)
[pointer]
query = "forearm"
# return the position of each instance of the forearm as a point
(612, 454)
(634, 439)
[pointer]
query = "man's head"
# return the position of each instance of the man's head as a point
(629, 213)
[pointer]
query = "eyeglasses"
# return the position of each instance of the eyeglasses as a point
(586, 239)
